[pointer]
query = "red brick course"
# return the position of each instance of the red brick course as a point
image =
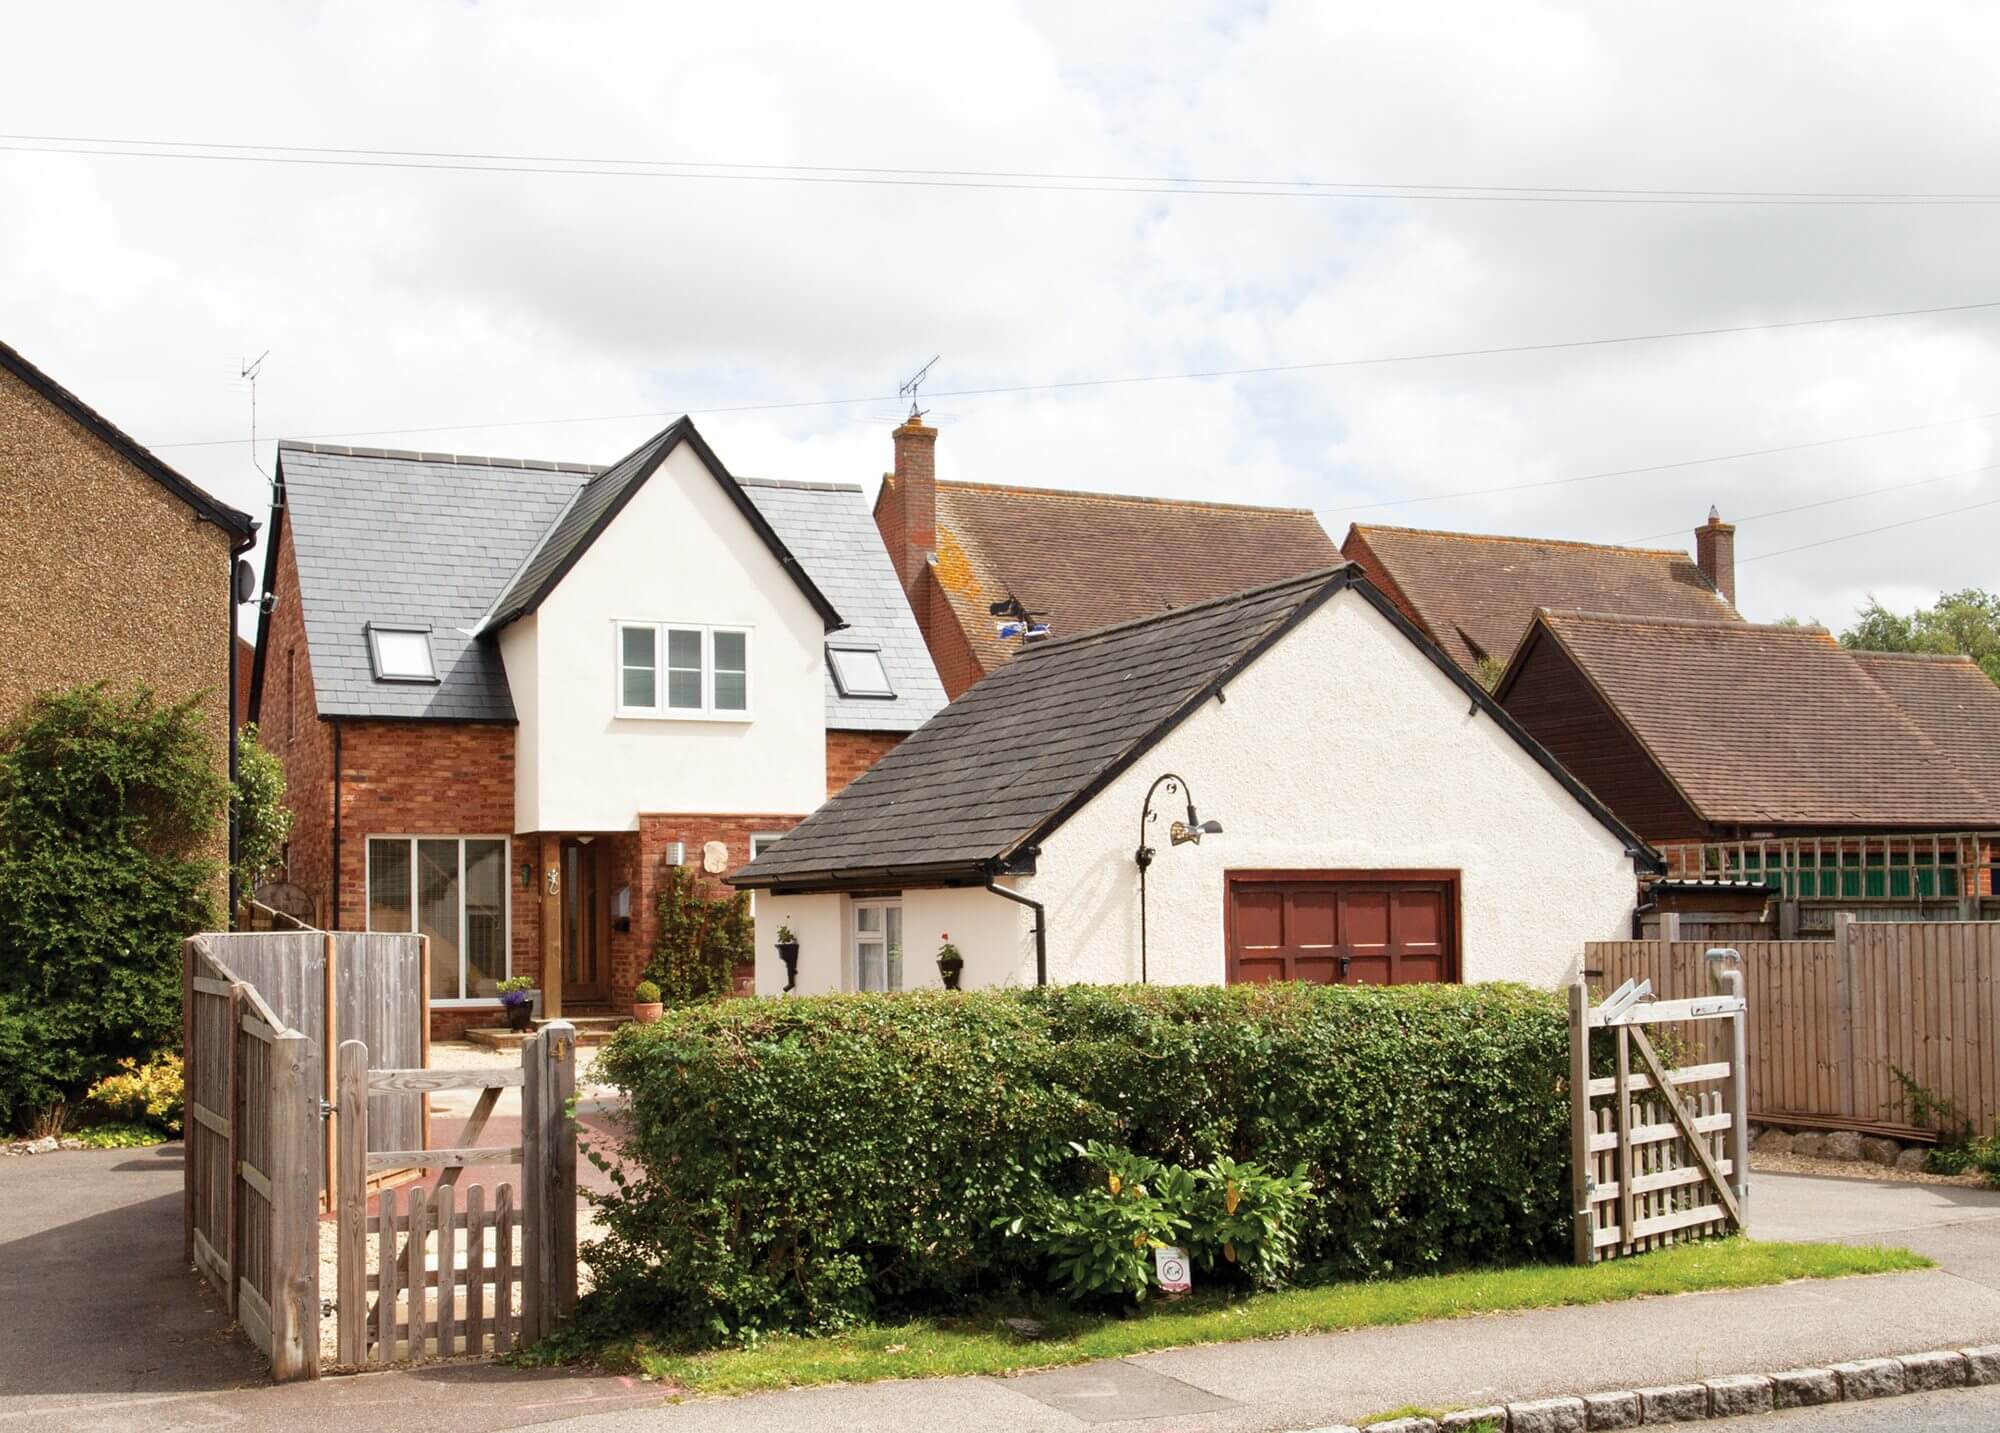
(849, 753)
(288, 724)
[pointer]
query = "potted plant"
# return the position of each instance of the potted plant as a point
(951, 965)
(788, 952)
(646, 1006)
(515, 993)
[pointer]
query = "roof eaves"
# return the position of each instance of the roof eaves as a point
(491, 621)
(212, 509)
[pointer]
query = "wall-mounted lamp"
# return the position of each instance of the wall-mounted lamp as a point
(621, 908)
(527, 875)
(1181, 833)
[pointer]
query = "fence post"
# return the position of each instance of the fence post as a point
(329, 1042)
(534, 1233)
(1726, 966)
(232, 1204)
(295, 1148)
(559, 1150)
(191, 1065)
(1583, 1225)
(352, 1294)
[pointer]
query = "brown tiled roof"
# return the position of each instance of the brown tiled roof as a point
(1783, 725)
(1476, 594)
(1089, 560)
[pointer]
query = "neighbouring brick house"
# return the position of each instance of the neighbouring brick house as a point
(1070, 561)
(113, 567)
(1771, 753)
(1475, 594)
(508, 693)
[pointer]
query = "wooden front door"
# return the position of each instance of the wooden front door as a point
(1343, 928)
(585, 924)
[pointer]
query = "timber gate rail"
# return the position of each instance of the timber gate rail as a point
(470, 1298)
(1658, 1156)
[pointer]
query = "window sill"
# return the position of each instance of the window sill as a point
(726, 718)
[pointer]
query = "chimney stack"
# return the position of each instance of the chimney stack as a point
(1715, 554)
(914, 484)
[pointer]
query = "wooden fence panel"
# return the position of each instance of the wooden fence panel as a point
(1832, 1021)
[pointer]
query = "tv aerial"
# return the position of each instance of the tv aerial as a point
(908, 388)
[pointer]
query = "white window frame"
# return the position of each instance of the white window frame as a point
(870, 649)
(758, 841)
(460, 1001)
(660, 711)
(381, 673)
(884, 904)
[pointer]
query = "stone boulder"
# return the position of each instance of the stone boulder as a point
(1877, 1150)
(1843, 1144)
(1773, 1141)
(1810, 1143)
(1914, 1159)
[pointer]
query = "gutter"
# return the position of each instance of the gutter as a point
(1041, 926)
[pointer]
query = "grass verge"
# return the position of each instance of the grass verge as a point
(983, 1344)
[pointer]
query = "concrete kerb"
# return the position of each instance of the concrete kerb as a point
(1727, 1397)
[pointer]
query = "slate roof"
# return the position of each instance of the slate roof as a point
(984, 781)
(1783, 726)
(439, 539)
(241, 524)
(828, 527)
(1475, 594)
(395, 537)
(1089, 560)
(597, 504)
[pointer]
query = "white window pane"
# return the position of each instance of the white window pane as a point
(437, 912)
(640, 689)
(893, 919)
(684, 649)
(868, 918)
(732, 692)
(732, 652)
(389, 885)
(485, 917)
(868, 957)
(860, 674)
(403, 654)
(639, 645)
(684, 690)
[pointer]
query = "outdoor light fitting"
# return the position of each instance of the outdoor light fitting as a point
(1180, 833)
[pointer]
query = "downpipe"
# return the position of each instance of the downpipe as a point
(1041, 926)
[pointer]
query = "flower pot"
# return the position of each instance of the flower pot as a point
(520, 1014)
(646, 1014)
(950, 971)
(788, 952)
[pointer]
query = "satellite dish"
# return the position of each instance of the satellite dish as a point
(246, 580)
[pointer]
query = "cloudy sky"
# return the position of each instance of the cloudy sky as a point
(567, 315)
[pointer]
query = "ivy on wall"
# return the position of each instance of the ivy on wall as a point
(702, 935)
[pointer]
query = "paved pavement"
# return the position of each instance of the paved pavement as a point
(101, 1326)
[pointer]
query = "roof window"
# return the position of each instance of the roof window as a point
(858, 671)
(401, 654)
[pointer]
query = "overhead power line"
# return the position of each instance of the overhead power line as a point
(1657, 468)
(1067, 385)
(1831, 502)
(1870, 531)
(467, 161)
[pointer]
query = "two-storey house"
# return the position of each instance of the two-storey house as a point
(508, 694)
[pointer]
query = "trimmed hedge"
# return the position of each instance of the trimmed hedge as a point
(805, 1164)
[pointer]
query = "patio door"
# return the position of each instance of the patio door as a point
(585, 924)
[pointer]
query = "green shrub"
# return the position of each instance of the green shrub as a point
(804, 1164)
(1245, 1218)
(645, 993)
(263, 820)
(110, 807)
(148, 1094)
(1100, 1240)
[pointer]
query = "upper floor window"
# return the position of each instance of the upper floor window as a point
(401, 654)
(858, 672)
(667, 669)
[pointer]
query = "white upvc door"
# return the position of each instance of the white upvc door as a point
(878, 945)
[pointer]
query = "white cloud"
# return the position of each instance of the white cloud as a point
(393, 299)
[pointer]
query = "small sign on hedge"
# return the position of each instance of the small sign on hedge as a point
(1170, 1270)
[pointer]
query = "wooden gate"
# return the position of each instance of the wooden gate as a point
(454, 1278)
(1658, 1155)
(252, 1134)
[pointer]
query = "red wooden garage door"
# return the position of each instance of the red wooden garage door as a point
(1343, 928)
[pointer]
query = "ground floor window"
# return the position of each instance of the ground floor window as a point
(454, 890)
(878, 945)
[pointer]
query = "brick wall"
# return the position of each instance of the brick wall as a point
(288, 724)
(951, 653)
(656, 831)
(849, 753)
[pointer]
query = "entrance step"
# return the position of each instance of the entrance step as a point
(591, 1029)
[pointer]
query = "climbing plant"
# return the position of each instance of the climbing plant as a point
(702, 936)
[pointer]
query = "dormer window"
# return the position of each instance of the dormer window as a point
(401, 654)
(858, 671)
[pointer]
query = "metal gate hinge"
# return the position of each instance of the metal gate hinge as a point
(326, 1108)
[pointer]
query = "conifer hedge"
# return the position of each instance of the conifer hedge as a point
(806, 1164)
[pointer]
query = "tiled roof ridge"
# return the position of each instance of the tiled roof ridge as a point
(460, 460)
(1366, 528)
(1949, 659)
(798, 485)
(1700, 624)
(1304, 580)
(1196, 504)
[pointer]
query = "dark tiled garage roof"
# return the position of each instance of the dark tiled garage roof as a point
(1783, 726)
(993, 773)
